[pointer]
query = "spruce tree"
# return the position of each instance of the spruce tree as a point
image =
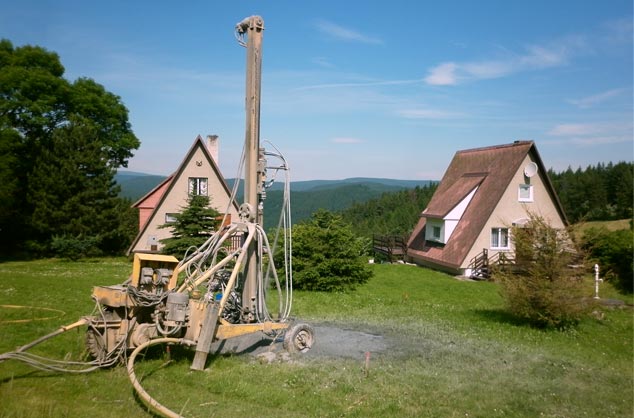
(327, 254)
(192, 227)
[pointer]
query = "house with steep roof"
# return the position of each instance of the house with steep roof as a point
(484, 192)
(199, 174)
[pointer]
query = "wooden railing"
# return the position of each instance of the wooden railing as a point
(394, 247)
(481, 264)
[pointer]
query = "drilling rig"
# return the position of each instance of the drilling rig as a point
(218, 291)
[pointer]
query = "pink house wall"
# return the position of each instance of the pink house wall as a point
(147, 205)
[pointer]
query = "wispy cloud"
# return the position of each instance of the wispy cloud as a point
(595, 99)
(534, 57)
(568, 129)
(618, 30)
(341, 33)
(592, 134)
(346, 140)
(443, 74)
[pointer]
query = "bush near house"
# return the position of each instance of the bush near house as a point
(543, 289)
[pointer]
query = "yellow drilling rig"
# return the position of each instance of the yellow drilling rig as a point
(218, 291)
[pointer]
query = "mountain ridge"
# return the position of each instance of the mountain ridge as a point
(307, 196)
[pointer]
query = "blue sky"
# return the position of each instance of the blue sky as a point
(355, 88)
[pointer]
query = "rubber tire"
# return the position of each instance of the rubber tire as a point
(299, 338)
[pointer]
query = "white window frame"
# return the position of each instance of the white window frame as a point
(499, 236)
(521, 192)
(436, 231)
(170, 218)
(198, 186)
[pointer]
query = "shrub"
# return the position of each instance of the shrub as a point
(613, 251)
(543, 288)
(75, 247)
(327, 255)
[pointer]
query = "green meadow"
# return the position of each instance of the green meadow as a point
(451, 351)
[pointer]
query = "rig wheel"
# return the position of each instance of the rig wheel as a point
(96, 340)
(96, 344)
(299, 338)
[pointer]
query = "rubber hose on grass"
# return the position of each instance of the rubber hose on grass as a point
(145, 397)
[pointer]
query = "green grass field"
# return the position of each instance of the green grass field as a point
(453, 352)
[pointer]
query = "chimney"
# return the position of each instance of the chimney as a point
(213, 146)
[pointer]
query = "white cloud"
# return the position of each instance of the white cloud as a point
(534, 57)
(442, 75)
(595, 99)
(592, 134)
(339, 32)
(568, 129)
(598, 140)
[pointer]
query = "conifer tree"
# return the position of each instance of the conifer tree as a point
(327, 254)
(192, 227)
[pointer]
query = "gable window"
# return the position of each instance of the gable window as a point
(170, 218)
(499, 238)
(525, 193)
(435, 232)
(197, 186)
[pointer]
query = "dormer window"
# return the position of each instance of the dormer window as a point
(525, 193)
(435, 231)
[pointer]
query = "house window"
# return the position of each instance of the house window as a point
(435, 232)
(525, 193)
(197, 186)
(500, 238)
(170, 218)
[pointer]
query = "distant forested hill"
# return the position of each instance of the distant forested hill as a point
(334, 195)
(331, 197)
(394, 213)
(136, 185)
(388, 206)
(306, 196)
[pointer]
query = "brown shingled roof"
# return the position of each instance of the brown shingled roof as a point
(491, 169)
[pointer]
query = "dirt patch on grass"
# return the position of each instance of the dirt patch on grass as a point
(336, 342)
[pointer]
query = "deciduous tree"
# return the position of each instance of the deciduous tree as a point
(42, 116)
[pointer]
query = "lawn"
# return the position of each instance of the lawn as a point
(452, 352)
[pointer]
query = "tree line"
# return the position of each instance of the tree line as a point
(393, 213)
(597, 193)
